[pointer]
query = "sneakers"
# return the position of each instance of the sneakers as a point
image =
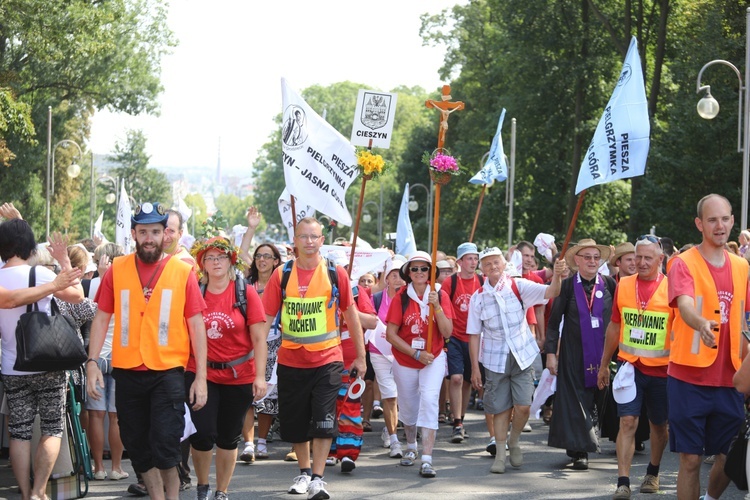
(386, 438)
(377, 411)
(480, 405)
(203, 491)
(261, 453)
(581, 461)
(331, 461)
(300, 485)
(291, 456)
(347, 464)
(409, 457)
(117, 475)
(100, 475)
(492, 447)
(527, 427)
(515, 456)
(395, 450)
(426, 470)
(220, 495)
(317, 490)
(710, 459)
(248, 454)
(457, 435)
(622, 493)
(138, 489)
(650, 484)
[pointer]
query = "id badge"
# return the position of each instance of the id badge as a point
(637, 334)
(418, 344)
(594, 322)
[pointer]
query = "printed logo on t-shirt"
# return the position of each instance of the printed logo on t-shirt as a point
(415, 320)
(462, 301)
(216, 324)
(725, 299)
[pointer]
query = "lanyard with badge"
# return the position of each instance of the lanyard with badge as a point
(640, 333)
(590, 302)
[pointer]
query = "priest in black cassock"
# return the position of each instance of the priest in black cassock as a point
(583, 308)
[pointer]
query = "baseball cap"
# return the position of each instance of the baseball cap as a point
(623, 386)
(489, 251)
(466, 248)
(149, 213)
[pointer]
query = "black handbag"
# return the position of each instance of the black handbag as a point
(46, 343)
(734, 467)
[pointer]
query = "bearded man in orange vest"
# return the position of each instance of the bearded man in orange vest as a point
(640, 325)
(158, 308)
(708, 285)
(310, 357)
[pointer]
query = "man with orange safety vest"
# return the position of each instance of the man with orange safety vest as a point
(640, 325)
(310, 357)
(158, 308)
(708, 286)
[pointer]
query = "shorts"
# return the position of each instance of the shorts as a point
(459, 362)
(270, 404)
(384, 373)
(503, 391)
(651, 390)
(702, 420)
(370, 373)
(307, 401)
(151, 413)
(107, 400)
(220, 421)
(40, 394)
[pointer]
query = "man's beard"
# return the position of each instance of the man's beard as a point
(148, 256)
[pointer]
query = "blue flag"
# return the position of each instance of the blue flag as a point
(495, 169)
(620, 145)
(405, 244)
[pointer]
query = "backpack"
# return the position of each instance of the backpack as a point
(377, 299)
(513, 287)
(333, 277)
(240, 294)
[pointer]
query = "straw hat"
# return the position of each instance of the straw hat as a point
(620, 250)
(585, 243)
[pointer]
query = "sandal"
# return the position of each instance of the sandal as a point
(366, 426)
(442, 418)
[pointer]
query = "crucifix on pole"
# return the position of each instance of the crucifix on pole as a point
(445, 106)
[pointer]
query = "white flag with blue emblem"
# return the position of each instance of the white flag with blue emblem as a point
(405, 244)
(620, 145)
(495, 168)
(123, 236)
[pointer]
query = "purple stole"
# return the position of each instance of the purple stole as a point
(592, 339)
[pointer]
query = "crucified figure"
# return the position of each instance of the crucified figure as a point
(446, 107)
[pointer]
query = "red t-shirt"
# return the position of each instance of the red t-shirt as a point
(531, 311)
(646, 289)
(229, 335)
(465, 288)
(411, 326)
(302, 358)
(720, 373)
(364, 305)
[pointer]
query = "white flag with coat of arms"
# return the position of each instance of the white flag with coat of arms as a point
(319, 163)
(495, 168)
(123, 236)
(620, 145)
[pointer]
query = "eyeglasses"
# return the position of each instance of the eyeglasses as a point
(267, 256)
(649, 237)
(421, 269)
(589, 257)
(446, 271)
(309, 237)
(217, 258)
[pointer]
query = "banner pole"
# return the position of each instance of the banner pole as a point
(476, 216)
(294, 214)
(365, 178)
(572, 223)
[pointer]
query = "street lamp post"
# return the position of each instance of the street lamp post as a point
(73, 169)
(429, 205)
(110, 198)
(708, 108)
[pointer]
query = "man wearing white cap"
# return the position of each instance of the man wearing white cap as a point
(640, 325)
(459, 288)
(586, 304)
(507, 349)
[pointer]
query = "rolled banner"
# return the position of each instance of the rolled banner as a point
(356, 389)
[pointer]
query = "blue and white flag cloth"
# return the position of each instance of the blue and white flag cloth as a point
(495, 168)
(620, 145)
(123, 236)
(405, 244)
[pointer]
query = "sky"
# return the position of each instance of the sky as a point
(222, 83)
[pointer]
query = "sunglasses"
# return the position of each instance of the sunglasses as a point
(649, 237)
(421, 269)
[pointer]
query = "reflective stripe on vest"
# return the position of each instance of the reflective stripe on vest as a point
(644, 336)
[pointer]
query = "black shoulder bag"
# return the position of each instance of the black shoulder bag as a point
(46, 343)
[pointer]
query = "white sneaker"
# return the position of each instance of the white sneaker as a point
(300, 485)
(386, 438)
(527, 427)
(317, 490)
(248, 454)
(395, 450)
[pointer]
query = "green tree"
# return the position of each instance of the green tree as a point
(234, 208)
(141, 182)
(197, 204)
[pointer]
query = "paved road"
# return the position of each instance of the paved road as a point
(463, 473)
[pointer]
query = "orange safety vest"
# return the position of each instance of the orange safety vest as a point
(644, 334)
(154, 334)
(687, 348)
(309, 322)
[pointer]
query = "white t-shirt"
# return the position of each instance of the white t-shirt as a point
(106, 352)
(16, 278)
